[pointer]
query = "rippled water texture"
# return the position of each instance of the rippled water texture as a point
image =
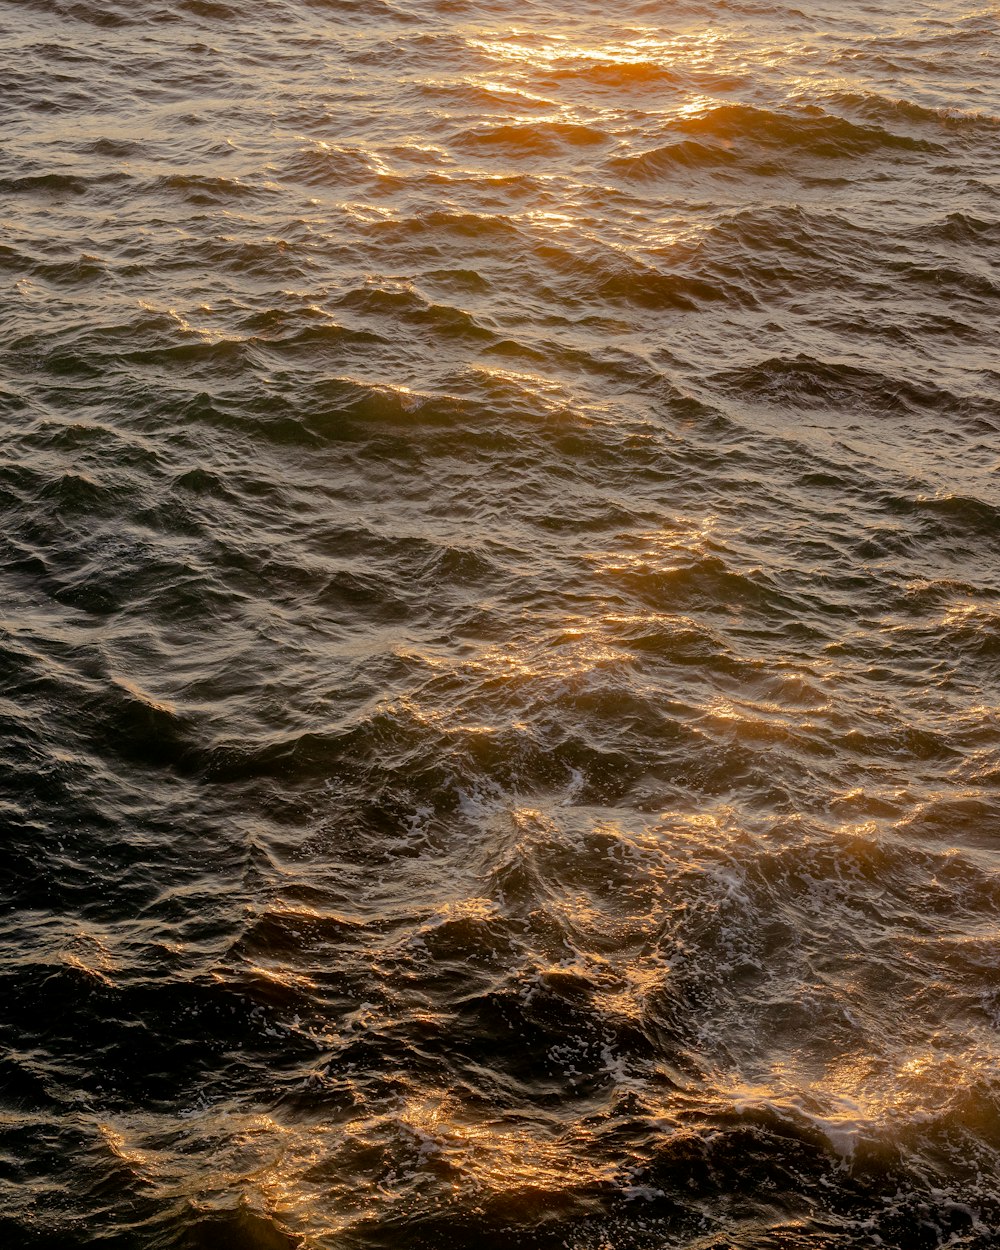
(501, 625)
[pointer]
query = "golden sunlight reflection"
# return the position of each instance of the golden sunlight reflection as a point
(646, 48)
(863, 1098)
(491, 1154)
(297, 1172)
(662, 550)
(118, 1145)
(514, 668)
(298, 1175)
(500, 625)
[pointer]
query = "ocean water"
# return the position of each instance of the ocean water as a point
(500, 625)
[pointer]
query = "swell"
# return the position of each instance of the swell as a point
(740, 135)
(806, 381)
(499, 529)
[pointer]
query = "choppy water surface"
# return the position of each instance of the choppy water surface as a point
(501, 625)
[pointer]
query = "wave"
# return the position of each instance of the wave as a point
(737, 135)
(962, 228)
(201, 189)
(49, 185)
(530, 139)
(893, 110)
(500, 614)
(810, 382)
(107, 16)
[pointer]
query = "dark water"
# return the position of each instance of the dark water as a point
(500, 625)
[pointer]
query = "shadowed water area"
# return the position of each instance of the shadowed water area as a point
(500, 625)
